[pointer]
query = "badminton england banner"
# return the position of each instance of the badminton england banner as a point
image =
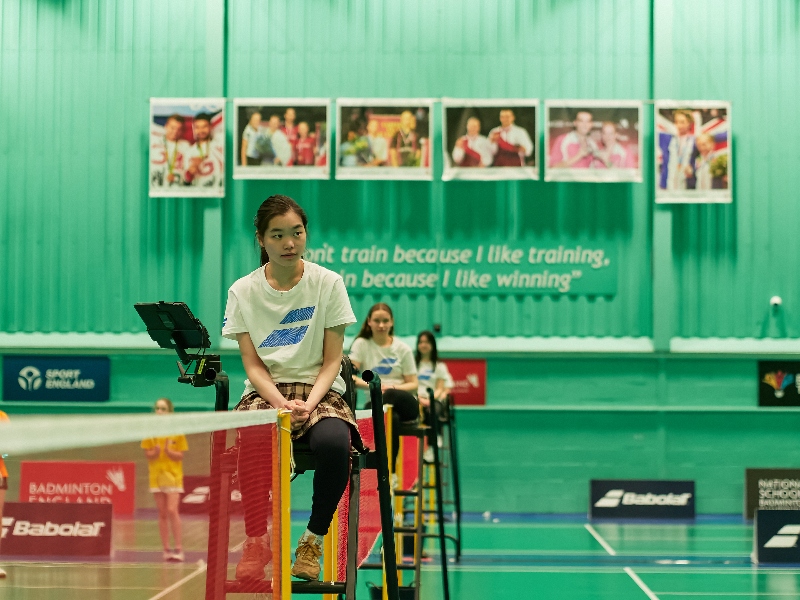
(545, 267)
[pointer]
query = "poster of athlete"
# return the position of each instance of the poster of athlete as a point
(187, 147)
(593, 140)
(281, 138)
(693, 152)
(490, 139)
(384, 139)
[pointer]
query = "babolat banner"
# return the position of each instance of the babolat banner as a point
(641, 499)
(775, 535)
(35, 529)
(541, 267)
(779, 383)
(83, 378)
(771, 489)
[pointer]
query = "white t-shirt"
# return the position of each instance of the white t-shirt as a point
(390, 363)
(430, 377)
(211, 171)
(251, 135)
(287, 327)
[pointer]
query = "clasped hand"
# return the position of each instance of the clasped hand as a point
(300, 412)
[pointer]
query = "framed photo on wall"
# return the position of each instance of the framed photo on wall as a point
(384, 139)
(490, 140)
(281, 138)
(693, 152)
(187, 147)
(593, 140)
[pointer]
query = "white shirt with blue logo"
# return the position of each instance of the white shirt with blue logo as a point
(391, 363)
(430, 377)
(287, 328)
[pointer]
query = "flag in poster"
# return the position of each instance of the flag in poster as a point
(187, 147)
(384, 139)
(593, 140)
(281, 138)
(490, 140)
(693, 152)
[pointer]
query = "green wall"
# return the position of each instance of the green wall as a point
(80, 242)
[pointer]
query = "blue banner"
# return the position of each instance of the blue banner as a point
(70, 378)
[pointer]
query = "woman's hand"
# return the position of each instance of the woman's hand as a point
(300, 412)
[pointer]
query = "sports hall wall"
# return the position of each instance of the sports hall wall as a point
(658, 380)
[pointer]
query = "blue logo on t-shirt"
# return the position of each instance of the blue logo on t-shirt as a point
(385, 366)
(293, 335)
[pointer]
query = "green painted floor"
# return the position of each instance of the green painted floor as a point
(515, 558)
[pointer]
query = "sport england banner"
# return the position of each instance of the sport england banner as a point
(187, 147)
(281, 138)
(384, 139)
(57, 378)
(771, 489)
(641, 499)
(544, 267)
(489, 140)
(56, 530)
(775, 536)
(84, 482)
(779, 383)
(693, 152)
(596, 141)
(469, 381)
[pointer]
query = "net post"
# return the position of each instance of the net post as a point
(281, 508)
(330, 562)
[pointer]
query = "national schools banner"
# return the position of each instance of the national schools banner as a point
(593, 140)
(490, 140)
(693, 152)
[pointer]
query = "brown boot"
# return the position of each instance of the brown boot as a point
(256, 555)
(306, 564)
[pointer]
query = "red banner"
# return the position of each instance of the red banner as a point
(56, 530)
(82, 482)
(469, 380)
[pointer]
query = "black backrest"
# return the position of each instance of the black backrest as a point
(349, 395)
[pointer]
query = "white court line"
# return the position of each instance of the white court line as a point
(641, 584)
(600, 539)
(201, 568)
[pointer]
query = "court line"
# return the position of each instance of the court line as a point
(600, 539)
(201, 568)
(642, 585)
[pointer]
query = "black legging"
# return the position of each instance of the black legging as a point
(405, 408)
(329, 440)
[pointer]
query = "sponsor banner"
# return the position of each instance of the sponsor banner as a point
(281, 138)
(196, 499)
(641, 499)
(83, 482)
(771, 489)
(82, 378)
(384, 139)
(187, 147)
(779, 383)
(490, 140)
(693, 152)
(469, 380)
(56, 529)
(775, 535)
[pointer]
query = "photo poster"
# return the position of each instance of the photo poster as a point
(693, 152)
(384, 138)
(281, 138)
(187, 147)
(490, 140)
(593, 140)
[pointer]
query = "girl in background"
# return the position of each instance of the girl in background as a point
(165, 462)
(432, 374)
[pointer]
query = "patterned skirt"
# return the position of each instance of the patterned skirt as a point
(332, 406)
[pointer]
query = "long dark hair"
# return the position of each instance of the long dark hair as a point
(366, 330)
(275, 206)
(432, 342)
